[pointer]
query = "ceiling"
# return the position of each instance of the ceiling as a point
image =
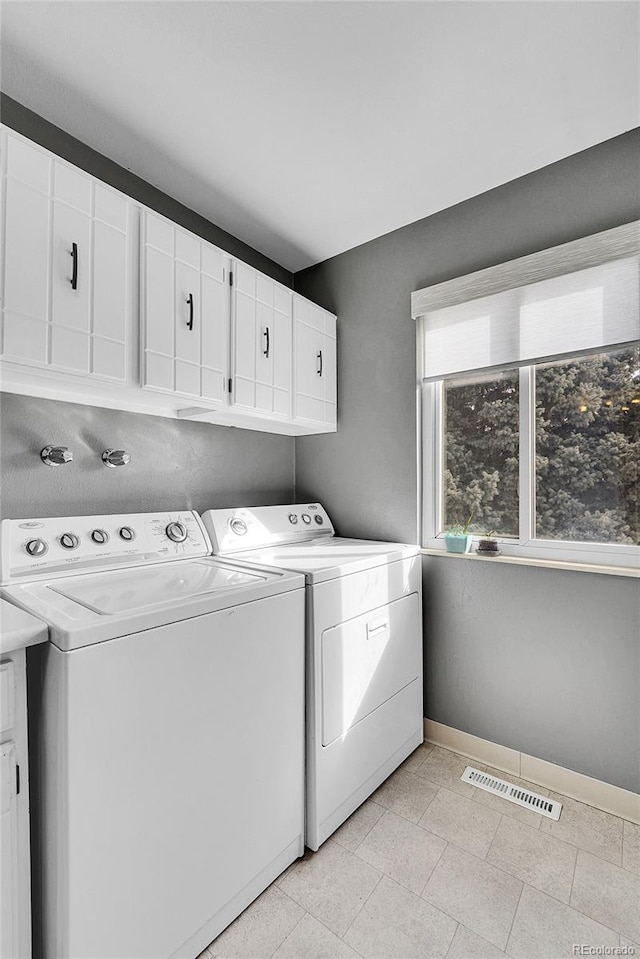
(307, 128)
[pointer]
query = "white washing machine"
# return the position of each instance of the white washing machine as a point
(364, 710)
(167, 715)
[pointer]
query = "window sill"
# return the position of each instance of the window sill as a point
(628, 571)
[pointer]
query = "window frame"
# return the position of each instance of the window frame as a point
(579, 254)
(526, 544)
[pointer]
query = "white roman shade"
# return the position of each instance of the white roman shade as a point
(563, 314)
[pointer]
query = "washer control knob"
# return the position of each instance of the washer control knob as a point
(238, 526)
(306, 518)
(36, 547)
(293, 518)
(176, 532)
(126, 533)
(69, 541)
(319, 519)
(100, 536)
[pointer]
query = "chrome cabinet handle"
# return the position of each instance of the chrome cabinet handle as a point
(190, 320)
(319, 362)
(265, 352)
(74, 271)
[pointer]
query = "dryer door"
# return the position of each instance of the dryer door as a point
(366, 661)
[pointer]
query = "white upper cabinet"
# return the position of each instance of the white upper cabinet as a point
(315, 396)
(185, 312)
(66, 270)
(106, 303)
(261, 344)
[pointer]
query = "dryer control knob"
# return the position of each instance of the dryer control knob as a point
(69, 541)
(318, 519)
(293, 518)
(238, 526)
(306, 518)
(36, 547)
(176, 532)
(126, 533)
(100, 536)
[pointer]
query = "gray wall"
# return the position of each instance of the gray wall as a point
(174, 464)
(565, 645)
(541, 661)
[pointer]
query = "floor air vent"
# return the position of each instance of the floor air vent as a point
(522, 797)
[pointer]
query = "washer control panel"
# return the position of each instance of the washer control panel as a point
(232, 530)
(64, 545)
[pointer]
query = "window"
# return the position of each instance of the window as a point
(531, 404)
(587, 449)
(481, 438)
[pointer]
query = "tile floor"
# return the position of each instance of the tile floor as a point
(432, 867)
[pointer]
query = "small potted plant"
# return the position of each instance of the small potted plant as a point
(488, 545)
(458, 539)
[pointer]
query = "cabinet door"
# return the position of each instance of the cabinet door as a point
(214, 324)
(111, 283)
(185, 307)
(158, 336)
(70, 288)
(329, 371)
(265, 346)
(9, 883)
(309, 386)
(66, 270)
(282, 355)
(315, 364)
(244, 337)
(262, 343)
(187, 329)
(26, 256)
(71, 269)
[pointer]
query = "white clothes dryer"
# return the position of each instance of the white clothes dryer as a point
(364, 709)
(167, 716)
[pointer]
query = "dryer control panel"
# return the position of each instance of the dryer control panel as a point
(61, 545)
(234, 530)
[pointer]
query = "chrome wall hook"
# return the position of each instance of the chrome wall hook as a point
(113, 458)
(56, 455)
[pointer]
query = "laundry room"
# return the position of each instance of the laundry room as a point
(320, 502)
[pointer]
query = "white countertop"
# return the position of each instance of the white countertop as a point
(19, 629)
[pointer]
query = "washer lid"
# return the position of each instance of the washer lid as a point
(124, 592)
(91, 608)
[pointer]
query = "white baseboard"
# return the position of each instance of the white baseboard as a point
(593, 792)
